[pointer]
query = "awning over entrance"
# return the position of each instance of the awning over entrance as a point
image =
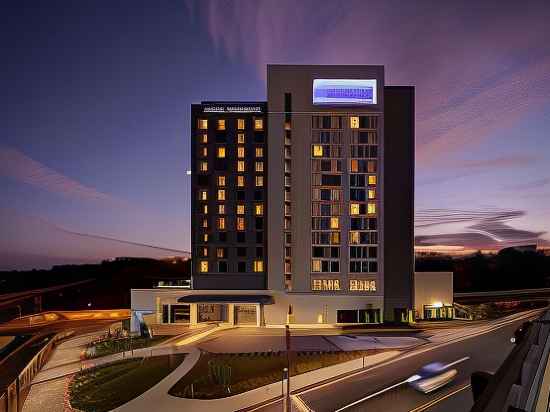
(263, 299)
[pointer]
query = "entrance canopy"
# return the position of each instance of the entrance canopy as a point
(263, 299)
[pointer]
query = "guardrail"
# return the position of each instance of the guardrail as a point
(519, 384)
(13, 398)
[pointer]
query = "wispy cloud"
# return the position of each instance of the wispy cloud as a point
(22, 168)
(533, 184)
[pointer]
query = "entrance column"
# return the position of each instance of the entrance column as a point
(193, 314)
(231, 313)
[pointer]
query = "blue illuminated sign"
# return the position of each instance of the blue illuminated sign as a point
(344, 91)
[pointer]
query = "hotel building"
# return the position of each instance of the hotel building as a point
(302, 207)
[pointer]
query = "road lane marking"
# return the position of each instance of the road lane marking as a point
(437, 400)
(372, 395)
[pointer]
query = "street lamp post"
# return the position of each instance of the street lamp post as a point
(287, 398)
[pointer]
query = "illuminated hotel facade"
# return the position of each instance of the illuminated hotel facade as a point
(302, 207)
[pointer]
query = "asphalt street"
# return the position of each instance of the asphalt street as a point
(486, 352)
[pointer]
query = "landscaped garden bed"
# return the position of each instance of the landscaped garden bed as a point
(117, 345)
(218, 375)
(109, 386)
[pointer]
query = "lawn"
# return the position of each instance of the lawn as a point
(108, 386)
(219, 375)
(108, 347)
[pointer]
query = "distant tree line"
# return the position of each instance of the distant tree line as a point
(508, 269)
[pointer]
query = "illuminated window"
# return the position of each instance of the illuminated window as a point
(221, 194)
(203, 124)
(221, 152)
(354, 122)
(204, 151)
(354, 209)
(205, 209)
(372, 179)
(335, 238)
(221, 180)
(240, 166)
(220, 252)
(240, 124)
(205, 237)
(203, 166)
(259, 181)
(259, 166)
(240, 152)
(259, 209)
(221, 124)
(372, 194)
(205, 251)
(258, 124)
(258, 266)
(221, 223)
(371, 208)
(205, 223)
(240, 181)
(240, 138)
(354, 238)
(240, 223)
(221, 209)
(334, 223)
(203, 138)
(240, 209)
(354, 165)
(317, 150)
(315, 265)
(203, 194)
(259, 152)
(204, 266)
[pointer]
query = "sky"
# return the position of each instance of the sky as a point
(94, 144)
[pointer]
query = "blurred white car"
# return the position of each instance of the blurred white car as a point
(432, 376)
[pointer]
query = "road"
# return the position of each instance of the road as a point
(486, 351)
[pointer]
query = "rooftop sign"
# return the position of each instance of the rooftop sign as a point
(344, 91)
(232, 108)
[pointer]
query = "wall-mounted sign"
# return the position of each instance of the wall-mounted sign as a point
(223, 108)
(362, 285)
(344, 91)
(325, 284)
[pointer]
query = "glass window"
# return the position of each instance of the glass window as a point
(240, 223)
(240, 181)
(220, 252)
(203, 124)
(205, 222)
(203, 266)
(204, 151)
(372, 179)
(354, 238)
(203, 166)
(258, 266)
(315, 265)
(221, 194)
(203, 194)
(259, 181)
(240, 152)
(259, 152)
(240, 138)
(221, 209)
(259, 209)
(205, 237)
(334, 223)
(240, 209)
(317, 150)
(354, 122)
(203, 138)
(258, 124)
(372, 194)
(354, 209)
(221, 152)
(371, 208)
(240, 166)
(240, 124)
(221, 180)
(259, 166)
(221, 223)
(354, 165)
(204, 251)
(205, 208)
(221, 124)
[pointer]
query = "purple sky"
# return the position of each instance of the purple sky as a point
(95, 136)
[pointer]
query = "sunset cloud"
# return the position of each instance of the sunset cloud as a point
(20, 167)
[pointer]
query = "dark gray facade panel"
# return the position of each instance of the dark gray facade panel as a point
(399, 112)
